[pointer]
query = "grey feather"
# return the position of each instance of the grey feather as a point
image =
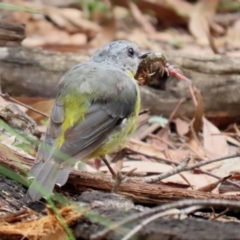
(110, 96)
(44, 183)
(57, 115)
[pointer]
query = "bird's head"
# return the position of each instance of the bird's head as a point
(123, 54)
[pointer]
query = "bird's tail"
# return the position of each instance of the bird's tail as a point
(44, 181)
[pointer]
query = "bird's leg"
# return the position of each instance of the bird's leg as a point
(114, 176)
(118, 177)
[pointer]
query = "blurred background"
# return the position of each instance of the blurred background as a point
(81, 26)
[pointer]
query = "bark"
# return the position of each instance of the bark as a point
(34, 72)
(135, 188)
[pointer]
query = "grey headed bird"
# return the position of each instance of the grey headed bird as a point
(95, 112)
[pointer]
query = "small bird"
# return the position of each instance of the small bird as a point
(95, 112)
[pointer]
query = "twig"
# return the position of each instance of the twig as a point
(171, 117)
(159, 215)
(212, 186)
(178, 204)
(146, 110)
(203, 163)
(162, 140)
(150, 156)
(215, 176)
(7, 97)
(220, 214)
(174, 171)
(197, 165)
(180, 174)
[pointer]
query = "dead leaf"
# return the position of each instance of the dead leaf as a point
(196, 126)
(210, 187)
(227, 167)
(216, 145)
(43, 106)
(177, 155)
(198, 116)
(145, 148)
(196, 147)
(182, 126)
(201, 17)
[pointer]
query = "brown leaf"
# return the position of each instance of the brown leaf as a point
(201, 17)
(177, 155)
(196, 126)
(198, 118)
(182, 126)
(43, 106)
(145, 148)
(216, 145)
(210, 187)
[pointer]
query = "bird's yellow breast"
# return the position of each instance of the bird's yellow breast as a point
(119, 138)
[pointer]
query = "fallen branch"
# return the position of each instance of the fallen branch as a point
(134, 188)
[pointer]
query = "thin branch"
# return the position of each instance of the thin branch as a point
(171, 117)
(210, 187)
(221, 214)
(188, 168)
(7, 97)
(178, 169)
(162, 140)
(180, 174)
(178, 204)
(217, 177)
(169, 212)
(168, 161)
(146, 110)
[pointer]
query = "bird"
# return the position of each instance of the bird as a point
(95, 112)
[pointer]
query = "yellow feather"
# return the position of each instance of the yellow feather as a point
(75, 108)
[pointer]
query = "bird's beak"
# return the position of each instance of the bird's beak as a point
(143, 54)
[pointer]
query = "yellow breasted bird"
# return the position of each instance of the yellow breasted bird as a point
(95, 111)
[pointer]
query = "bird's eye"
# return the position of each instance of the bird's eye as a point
(130, 52)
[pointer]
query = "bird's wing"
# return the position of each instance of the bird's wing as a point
(105, 111)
